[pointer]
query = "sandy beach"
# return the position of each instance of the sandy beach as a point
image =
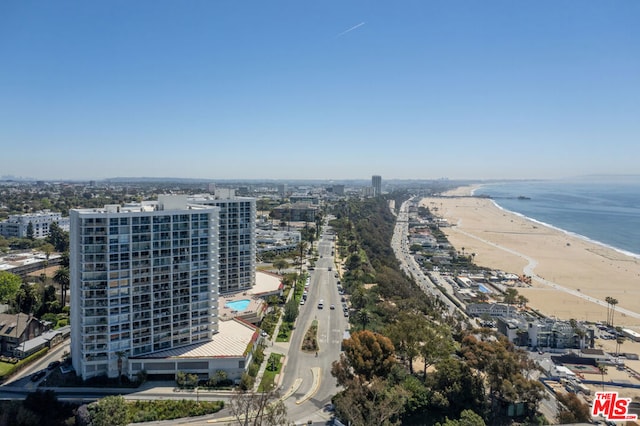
(571, 276)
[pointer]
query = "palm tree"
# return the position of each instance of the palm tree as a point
(62, 278)
(121, 355)
(363, 316)
(302, 246)
(603, 371)
(613, 302)
(522, 301)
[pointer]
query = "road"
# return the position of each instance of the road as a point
(313, 393)
(22, 379)
(400, 245)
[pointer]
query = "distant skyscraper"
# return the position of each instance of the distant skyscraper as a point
(376, 183)
(144, 278)
(282, 190)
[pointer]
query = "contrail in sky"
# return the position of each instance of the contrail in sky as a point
(350, 29)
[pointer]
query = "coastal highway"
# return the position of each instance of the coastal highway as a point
(400, 245)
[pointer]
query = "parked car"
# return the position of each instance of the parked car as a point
(38, 375)
(53, 365)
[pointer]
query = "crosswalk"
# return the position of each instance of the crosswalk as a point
(334, 337)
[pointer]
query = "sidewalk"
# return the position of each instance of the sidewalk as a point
(273, 346)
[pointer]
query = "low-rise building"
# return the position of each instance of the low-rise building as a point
(23, 264)
(297, 212)
(277, 242)
(230, 350)
(630, 334)
(48, 339)
(16, 329)
(493, 310)
(40, 222)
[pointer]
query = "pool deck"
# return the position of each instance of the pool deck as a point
(253, 310)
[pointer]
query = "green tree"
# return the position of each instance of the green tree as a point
(406, 334)
(367, 355)
(280, 264)
(58, 238)
(61, 277)
(26, 299)
(9, 286)
(109, 411)
(571, 409)
(258, 408)
(436, 344)
(30, 231)
(455, 387)
(291, 310)
(415, 248)
(375, 402)
(467, 418)
(510, 296)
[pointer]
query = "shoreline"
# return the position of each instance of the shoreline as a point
(572, 274)
(569, 233)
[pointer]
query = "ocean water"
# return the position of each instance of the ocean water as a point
(605, 211)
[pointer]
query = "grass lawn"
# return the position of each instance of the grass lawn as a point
(283, 335)
(4, 368)
(274, 365)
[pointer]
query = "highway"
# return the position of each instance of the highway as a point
(400, 245)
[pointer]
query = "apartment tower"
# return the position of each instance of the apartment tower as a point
(376, 183)
(237, 245)
(144, 278)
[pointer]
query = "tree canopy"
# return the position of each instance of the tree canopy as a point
(366, 355)
(9, 286)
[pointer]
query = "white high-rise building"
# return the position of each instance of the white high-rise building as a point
(144, 278)
(237, 246)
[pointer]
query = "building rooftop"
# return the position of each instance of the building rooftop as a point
(266, 283)
(231, 341)
(11, 261)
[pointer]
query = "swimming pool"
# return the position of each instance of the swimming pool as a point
(238, 305)
(483, 289)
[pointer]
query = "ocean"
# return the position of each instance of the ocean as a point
(604, 211)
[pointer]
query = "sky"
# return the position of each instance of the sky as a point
(319, 89)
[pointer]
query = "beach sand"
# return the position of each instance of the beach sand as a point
(571, 276)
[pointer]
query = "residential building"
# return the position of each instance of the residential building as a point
(338, 190)
(16, 329)
(144, 279)
(18, 225)
(23, 264)
(278, 242)
(376, 183)
(298, 212)
(237, 242)
(304, 198)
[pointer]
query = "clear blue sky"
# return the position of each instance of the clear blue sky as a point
(282, 89)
